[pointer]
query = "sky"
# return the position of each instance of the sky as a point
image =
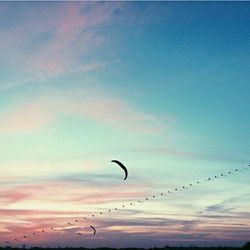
(162, 87)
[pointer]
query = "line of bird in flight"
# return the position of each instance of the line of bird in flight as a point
(122, 166)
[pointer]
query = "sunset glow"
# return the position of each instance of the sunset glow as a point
(161, 86)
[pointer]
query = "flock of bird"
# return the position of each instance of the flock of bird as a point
(122, 166)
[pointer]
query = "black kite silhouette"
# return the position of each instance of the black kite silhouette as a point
(123, 167)
(93, 229)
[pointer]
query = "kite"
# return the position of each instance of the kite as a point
(93, 229)
(123, 167)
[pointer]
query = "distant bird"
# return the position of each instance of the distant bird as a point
(123, 167)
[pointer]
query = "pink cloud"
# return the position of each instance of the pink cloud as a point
(69, 192)
(16, 223)
(19, 222)
(69, 38)
(117, 112)
(133, 231)
(94, 106)
(25, 118)
(27, 222)
(33, 213)
(73, 37)
(12, 197)
(17, 194)
(105, 196)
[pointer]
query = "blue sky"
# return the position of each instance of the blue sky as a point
(161, 86)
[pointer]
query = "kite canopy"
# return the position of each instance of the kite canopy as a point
(123, 167)
(94, 231)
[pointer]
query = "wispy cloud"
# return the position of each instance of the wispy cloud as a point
(60, 40)
(9, 197)
(219, 208)
(70, 192)
(227, 207)
(195, 155)
(160, 228)
(92, 105)
(135, 231)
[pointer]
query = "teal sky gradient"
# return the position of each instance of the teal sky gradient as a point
(161, 86)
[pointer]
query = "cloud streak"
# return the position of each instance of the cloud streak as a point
(98, 107)
(60, 40)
